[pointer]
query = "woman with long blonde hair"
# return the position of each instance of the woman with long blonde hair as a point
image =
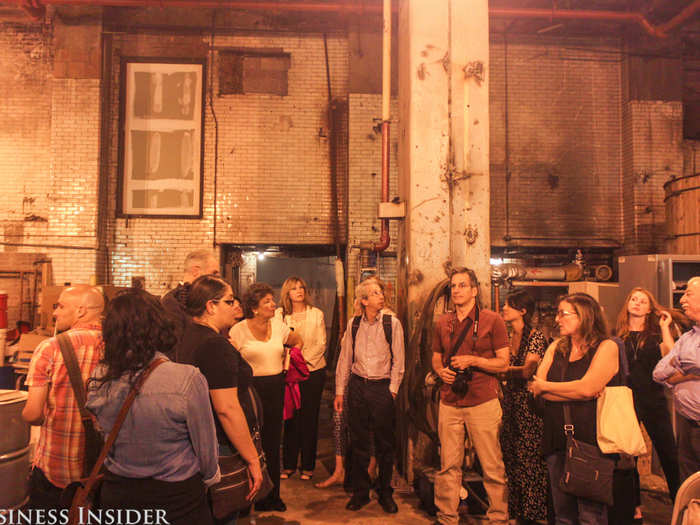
(646, 328)
(301, 430)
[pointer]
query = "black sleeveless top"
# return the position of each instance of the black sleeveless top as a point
(583, 413)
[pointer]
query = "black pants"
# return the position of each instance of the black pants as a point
(271, 391)
(184, 502)
(688, 446)
(370, 405)
(42, 493)
(301, 431)
(652, 410)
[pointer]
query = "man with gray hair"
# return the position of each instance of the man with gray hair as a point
(59, 456)
(198, 262)
(370, 369)
(680, 371)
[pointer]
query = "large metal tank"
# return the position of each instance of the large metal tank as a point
(14, 449)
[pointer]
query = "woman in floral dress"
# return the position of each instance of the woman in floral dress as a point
(522, 428)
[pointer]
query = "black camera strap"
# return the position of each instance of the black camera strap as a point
(468, 324)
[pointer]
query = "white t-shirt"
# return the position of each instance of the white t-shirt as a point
(264, 357)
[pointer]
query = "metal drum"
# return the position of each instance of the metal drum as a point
(14, 449)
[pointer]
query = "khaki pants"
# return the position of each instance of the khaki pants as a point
(483, 423)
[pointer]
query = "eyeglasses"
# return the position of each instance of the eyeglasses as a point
(563, 313)
(229, 302)
(377, 293)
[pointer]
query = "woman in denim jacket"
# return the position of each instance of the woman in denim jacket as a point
(165, 454)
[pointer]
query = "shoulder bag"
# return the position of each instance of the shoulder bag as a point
(618, 430)
(93, 438)
(229, 495)
(85, 492)
(588, 474)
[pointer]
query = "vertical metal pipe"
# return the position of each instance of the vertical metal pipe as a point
(384, 239)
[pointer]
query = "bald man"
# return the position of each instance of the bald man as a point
(59, 455)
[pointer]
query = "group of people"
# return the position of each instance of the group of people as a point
(520, 441)
(223, 361)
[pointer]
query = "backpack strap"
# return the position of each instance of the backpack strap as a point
(355, 327)
(386, 323)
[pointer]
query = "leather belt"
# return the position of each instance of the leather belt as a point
(365, 380)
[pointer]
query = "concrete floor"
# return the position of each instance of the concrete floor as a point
(308, 505)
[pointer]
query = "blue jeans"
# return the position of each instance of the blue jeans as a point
(225, 450)
(568, 509)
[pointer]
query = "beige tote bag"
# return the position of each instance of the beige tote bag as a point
(618, 428)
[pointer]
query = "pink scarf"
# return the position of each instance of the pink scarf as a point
(298, 372)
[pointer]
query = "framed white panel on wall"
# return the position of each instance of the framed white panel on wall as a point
(161, 135)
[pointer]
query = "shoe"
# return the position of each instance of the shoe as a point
(388, 504)
(278, 505)
(305, 476)
(286, 474)
(357, 502)
(275, 504)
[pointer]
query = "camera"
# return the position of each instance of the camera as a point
(460, 386)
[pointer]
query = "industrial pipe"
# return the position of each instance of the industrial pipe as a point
(36, 9)
(568, 272)
(384, 238)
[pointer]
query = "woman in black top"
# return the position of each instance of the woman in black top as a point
(210, 303)
(574, 370)
(645, 328)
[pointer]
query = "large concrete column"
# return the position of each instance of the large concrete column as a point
(443, 142)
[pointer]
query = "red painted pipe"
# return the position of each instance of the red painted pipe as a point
(681, 17)
(579, 14)
(36, 6)
(357, 7)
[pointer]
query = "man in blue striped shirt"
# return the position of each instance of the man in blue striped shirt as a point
(680, 371)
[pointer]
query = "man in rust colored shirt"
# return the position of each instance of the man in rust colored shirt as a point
(482, 352)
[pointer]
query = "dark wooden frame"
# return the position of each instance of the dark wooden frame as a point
(122, 185)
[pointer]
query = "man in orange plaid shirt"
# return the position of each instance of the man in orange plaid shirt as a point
(59, 455)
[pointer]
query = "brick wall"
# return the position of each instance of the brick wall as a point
(365, 178)
(273, 182)
(48, 155)
(691, 157)
(566, 130)
(652, 135)
(564, 150)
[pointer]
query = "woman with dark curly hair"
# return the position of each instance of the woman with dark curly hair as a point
(165, 454)
(211, 305)
(260, 338)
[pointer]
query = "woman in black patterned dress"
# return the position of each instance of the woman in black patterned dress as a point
(522, 428)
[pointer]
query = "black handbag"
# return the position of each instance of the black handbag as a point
(229, 495)
(588, 473)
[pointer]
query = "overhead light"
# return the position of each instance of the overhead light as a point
(261, 256)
